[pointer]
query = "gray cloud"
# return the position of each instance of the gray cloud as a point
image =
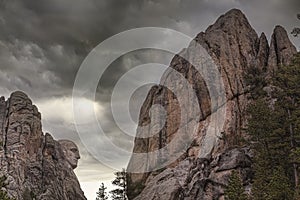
(62, 33)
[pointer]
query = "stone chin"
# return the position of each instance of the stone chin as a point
(73, 163)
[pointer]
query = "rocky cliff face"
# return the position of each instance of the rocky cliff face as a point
(34, 163)
(234, 47)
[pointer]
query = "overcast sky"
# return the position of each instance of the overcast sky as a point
(43, 43)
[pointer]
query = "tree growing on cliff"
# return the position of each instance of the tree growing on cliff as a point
(270, 182)
(120, 181)
(255, 79)
(279, 186)
(287, 94)
(271, 151)
(235, 189)
(273, 130)
(101, 194)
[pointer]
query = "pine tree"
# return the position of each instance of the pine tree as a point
(271, 183)
(235, 189)
(279, 187)
(120, 182)
(274, 132)
(101, 194)
(287, 81)
(271, 148)
(255, 79)
(263, 171)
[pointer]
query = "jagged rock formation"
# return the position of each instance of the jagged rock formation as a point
(235, 47)
(281, 49)
(35, 164)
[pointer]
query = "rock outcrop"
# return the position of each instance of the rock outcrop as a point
(281, 49)
(34, 163)
(234, 47)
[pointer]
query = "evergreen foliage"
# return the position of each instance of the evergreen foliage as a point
(274, 132)
(279, 187)
(255, 79)
(120, 182)
(287, 82)
(101, 194)
(235, 189)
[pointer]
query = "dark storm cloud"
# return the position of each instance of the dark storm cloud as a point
(64, 31)
(79, 25)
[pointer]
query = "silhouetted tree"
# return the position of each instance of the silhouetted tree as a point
(101, 194)
(120, 182)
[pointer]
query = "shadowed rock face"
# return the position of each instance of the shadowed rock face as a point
(33, 161)
(235, 47)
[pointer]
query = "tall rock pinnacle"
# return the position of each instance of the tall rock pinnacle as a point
(234, 47)
(263, 51)
(34, 164)
(281, 50)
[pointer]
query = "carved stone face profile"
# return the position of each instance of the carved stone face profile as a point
(71, 152)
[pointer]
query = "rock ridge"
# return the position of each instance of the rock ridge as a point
(235, 47)
(33, 162)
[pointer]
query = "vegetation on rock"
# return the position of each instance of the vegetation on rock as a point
(120, 182)
(101, 194)
(273, 130)
(235, 189)
(116, 194)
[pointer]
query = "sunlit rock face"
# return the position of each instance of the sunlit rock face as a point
(234, 47)
(34, 162)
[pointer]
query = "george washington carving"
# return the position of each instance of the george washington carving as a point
(71, 152)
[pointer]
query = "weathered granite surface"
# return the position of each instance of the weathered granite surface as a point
(235, 47)
(35, 164)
